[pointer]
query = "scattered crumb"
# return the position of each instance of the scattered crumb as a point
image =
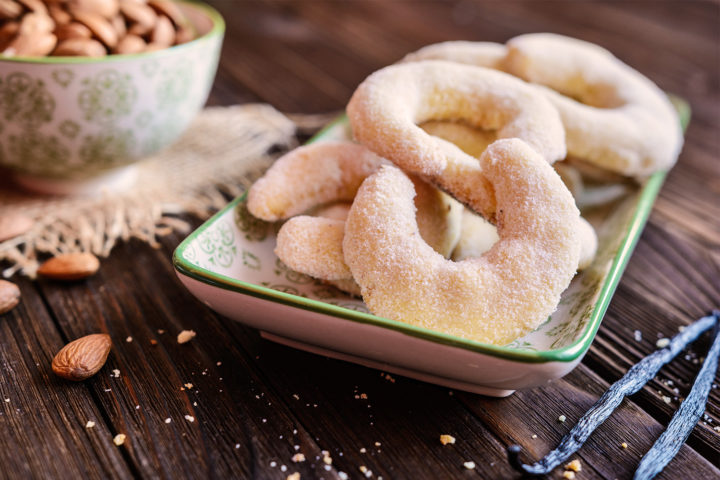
(116, 373)
(469, 465)
(128, 339)
(377, 444)
(662, 343)
(273, 464)
(717, 429)
(168, 420)
(298, 457)
(7, 400)
(189, 386)
(189, 418)
(638, 335)
(575, 466)
(534, 435)
(293, 476)
(153, 342)
(562, 418)
(237, 445)
(362, 450)
(445, 439)
(296, 396)
(160, 331)
(389, 378)
(363, 468)
(681, 328)
(185, 336)
(569, 475)
(363, 396)
(90, 424)
(343, 476)
(666, 399)
(283, 468)
(218, 363)
(119, 439)
(623, 445)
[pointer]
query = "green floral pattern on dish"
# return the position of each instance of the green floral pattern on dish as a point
(107, 96)
(47, 153)
(107, 149)
(25, 100)
(175, 84)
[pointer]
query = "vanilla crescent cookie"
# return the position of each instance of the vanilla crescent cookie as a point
(614, 116)
(322, 172)
(309, 176)
(388, 106)
(313, 244)
(482, 54)
(495, 298)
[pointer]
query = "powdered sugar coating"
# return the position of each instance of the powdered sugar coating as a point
(387, 107)
(482, 54)
(614, 116)
(495, 298)
(309, 176)
(313, 244)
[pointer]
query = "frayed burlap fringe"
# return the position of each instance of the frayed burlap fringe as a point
(224, 150)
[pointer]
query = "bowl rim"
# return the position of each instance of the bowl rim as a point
(569, 353)
(218, 29)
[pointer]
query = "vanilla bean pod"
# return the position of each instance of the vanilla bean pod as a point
(684, 420)
(638, 375)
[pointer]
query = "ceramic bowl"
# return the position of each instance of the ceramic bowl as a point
(66, 121)
(229, 264)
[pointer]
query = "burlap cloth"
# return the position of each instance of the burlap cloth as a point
(224, 150)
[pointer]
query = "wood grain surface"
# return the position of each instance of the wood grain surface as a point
(254, 404)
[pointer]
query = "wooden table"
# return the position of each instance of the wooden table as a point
(256, 404)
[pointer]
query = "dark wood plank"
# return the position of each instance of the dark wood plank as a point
(43, 419)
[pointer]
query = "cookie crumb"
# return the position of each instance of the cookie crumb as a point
(128, 339)
(562, 418)
(638, 335)
(293, 476)
(189, 386)
(89, 424)
(569, 475)
(119, 439)
(153, 342)
(298, 457)
(168, 420)
(624, 445)
(534, 436)
(445, 439)
(469, 465)
(189, 418)
(575, 466)
(662, 343)
(185, 336)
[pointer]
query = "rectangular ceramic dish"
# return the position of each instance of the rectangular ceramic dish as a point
(229, 264)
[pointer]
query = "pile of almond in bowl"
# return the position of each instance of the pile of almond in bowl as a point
(90, 28)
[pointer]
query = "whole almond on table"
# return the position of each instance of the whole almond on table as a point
(70, 266)
(9, 296)
(82, 358)
(14, 224)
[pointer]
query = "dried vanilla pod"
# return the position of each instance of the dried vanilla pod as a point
(638, 375)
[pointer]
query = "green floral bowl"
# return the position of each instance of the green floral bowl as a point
(70, 122)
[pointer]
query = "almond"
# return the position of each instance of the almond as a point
(99, 26)
(10, 9)
(80, 47)
(72, 30)
(82, 358)
(70, 266)
(9, 296)
(130, 44)
(105, 8)
(14, 224)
